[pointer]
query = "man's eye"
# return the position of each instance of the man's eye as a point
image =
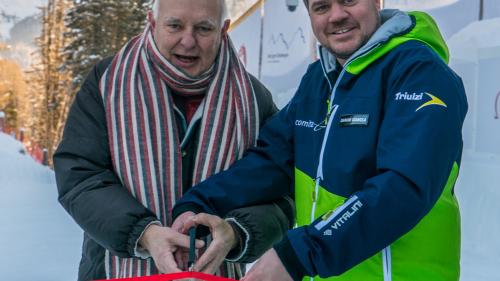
(321, 8)
(348, 2)
(204, 29)
(174, 26)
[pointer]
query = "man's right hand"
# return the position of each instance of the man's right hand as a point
(182, 254)
(162, 242)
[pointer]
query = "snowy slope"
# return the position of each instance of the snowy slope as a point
(478, 192)
(39, 240)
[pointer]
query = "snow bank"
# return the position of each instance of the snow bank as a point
(478, 192)
(470, 43)
(39, 239)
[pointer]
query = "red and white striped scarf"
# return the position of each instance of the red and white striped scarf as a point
(143, 137)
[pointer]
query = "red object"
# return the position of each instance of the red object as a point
(189, 104)
(177, 276)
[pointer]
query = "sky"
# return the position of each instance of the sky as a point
(21, 8)
(18, 8)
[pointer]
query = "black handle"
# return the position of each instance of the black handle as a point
(192, 248)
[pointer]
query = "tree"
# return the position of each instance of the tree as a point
(12, 93)
(98, 29)
(49, 82)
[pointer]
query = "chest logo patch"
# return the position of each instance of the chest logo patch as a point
(354, 120)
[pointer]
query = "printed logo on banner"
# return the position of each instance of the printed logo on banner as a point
(279, 40)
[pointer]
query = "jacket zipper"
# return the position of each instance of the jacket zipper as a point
(330, 116)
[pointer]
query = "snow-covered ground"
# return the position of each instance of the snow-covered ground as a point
(40, 242)
(478, 192)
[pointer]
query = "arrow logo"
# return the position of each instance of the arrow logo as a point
(434, 101)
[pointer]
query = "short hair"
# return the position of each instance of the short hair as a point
(224, 16)
(306, 2)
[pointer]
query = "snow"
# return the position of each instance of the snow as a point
(39, 239)
(466, 43)
(418, 5)
(478, 192)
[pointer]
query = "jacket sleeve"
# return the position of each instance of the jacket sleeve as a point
(88, 188)
(259, 228)
(263, 175)
(274, 151)
(417, 149)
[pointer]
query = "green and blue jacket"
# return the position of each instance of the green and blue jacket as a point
(370, 152)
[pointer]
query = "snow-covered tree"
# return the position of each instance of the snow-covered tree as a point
(98, 29)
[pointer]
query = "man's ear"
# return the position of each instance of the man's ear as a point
(225, 26)
(151, 19)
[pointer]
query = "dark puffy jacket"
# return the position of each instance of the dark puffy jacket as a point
(112, 219)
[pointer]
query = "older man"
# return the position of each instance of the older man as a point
(373, 178)
(173, 107)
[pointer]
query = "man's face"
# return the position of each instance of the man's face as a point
(188, 33)
(343, 26)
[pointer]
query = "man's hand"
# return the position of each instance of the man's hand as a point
(162, 242)
(179, 222)
(182, 254)
(268, 268)
(223, 240)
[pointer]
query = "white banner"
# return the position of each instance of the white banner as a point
(288, 46)
(246, 37)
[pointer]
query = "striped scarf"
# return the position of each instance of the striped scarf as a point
(144, 139)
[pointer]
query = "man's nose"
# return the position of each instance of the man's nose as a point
(338, 13)
(188, 39)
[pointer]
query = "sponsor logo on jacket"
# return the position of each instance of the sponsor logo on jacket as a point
(409, 97)
(405, 96)
(338, 217)
(347, 215)
(310, 124)
(343, 218)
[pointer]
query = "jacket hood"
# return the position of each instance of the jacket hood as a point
(397, 28)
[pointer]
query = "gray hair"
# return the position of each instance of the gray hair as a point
(224, 16)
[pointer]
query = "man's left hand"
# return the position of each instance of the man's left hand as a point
(268, 268)
(182, 254)
(223, 240)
